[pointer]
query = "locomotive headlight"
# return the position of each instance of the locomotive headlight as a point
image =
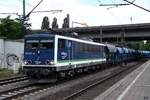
(25, 62)
(29, 62)
(49, 62)
(52, 62)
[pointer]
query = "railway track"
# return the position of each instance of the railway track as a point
(21, 92)
(19, 89)
(54, 92)
(12, 79)
(31, 91)
(12, 86)
(78, 94)
(41, 92)
(8, 95)
(10, 89)
(70, 89)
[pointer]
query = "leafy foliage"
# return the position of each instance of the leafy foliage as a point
(45, 23)
(12, 29)
(27, 25)
(143, 46)
(140, 46)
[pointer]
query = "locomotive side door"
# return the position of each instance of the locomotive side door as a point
(69, 48)
(65, 54)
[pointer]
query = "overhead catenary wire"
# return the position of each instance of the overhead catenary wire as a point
(114, 17)
(137, 5)
(16, 13)
(133, 1)
(9, 13)
(47, 11)
(112, 4)
(99, 1)
(33, 9)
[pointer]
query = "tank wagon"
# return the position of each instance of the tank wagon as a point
(145, 54)
(110, 51)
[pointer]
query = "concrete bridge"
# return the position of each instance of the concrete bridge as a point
(126, 32)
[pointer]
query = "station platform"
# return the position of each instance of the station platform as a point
(135, 86)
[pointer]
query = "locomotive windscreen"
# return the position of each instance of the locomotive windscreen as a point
(34, 44)
(39, 51)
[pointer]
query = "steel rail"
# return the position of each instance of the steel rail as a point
(76, 94)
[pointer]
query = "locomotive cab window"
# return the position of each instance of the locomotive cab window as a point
(61, 43)
(32, 44)
(46, 44)
(36, 44)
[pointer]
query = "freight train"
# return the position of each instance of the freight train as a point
(48, 57)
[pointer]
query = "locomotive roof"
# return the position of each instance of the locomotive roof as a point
(40, 35)
(80, 40)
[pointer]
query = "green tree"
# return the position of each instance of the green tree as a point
(45, 23)
(27, 25)
(144, 46)
(54, 23)
(12, 29)
(148, 46)
(66, 22)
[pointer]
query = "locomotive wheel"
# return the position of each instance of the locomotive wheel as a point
(62, 75)
(71, 73)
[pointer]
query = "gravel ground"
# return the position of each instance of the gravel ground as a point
(62, 90)
(84, 82)
(94, 92)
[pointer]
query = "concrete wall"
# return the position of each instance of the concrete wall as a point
(2, 52)
(12, 53)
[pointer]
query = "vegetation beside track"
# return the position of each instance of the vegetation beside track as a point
(6, 73)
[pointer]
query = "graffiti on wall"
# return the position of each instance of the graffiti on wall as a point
(11, 59)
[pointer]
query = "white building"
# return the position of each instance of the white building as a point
(11, 52)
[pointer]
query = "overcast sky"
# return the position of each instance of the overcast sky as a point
(84, 11)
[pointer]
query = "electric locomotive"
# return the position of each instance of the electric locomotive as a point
(48, 57)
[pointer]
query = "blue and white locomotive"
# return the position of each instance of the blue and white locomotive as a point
(49, 56)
